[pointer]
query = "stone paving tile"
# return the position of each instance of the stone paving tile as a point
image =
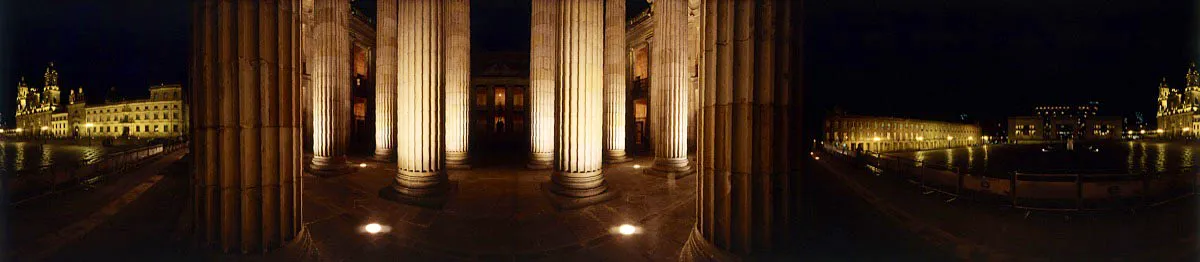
(500, 213)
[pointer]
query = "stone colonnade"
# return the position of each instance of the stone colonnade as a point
(750, 145)
(331, 95)
(385, 83)
(458, 81)
(887, 134)
(578, 178)
(671, 80)
(542, 65)
(249, 151)
(421, 178)
(246, 109)
(614, 82)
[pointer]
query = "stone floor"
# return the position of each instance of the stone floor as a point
(498, 213)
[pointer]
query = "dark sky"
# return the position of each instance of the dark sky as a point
(924, 58)
(989, 59)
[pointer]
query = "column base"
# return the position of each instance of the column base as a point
(539, 162)
(565, 202)
(384, 155)
(457, 160)
(387, 158)
(329, 167)
(432, 201)
(671, 169)
(698, 249)
(617, 158)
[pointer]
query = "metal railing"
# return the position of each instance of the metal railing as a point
(48, 179)
(1077, 191)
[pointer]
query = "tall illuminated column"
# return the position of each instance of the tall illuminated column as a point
(245, 113)
(542, 65)
(331, 87)
(420, 178)
(385, 84)
(578, 178)
(458, 80)
(750, 147)
(614, 82)
(671, 79)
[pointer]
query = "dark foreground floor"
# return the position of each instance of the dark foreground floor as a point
(499, 214)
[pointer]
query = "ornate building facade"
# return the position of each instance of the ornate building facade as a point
(887, 134)
(1064, 122)
(41, 112)
(1177, 109)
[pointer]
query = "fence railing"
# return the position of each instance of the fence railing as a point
(35, 182)
(1088, 191)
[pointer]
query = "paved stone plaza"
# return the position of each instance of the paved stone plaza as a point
(496, 213)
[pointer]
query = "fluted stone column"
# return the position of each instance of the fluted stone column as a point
(458, 81)
(385, 83)
(542, 65)
(614, 82)
(420, 178)
(673, 83)
(246, 110)
(750, 149)
(578, 180)
(331, 87)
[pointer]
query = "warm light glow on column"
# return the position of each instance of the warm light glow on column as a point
(669, 52)
(246, 145)
(614, 82)
(419, 127)
(458, 74)
(386, 80)
(579, 96)
(331, 86)
(749, 140)
(542, 64)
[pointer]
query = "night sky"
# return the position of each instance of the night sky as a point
(933, 59)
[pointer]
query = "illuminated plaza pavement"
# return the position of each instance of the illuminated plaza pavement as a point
(497, 213)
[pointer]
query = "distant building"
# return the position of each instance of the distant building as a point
(1064, 122)
(43, 113)
(1177, 109)
(886, 134)
(500, 98)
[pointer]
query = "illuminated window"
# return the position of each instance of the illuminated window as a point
(481, 99)
(500, 101)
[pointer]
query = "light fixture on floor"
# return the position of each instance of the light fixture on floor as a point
(375, 228)
(626, 229)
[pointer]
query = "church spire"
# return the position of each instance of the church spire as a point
(1193, 77)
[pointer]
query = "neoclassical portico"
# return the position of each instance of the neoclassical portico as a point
(578, 110)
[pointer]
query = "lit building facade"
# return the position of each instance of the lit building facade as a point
(500, 99)
(887, 134)
(1064, 122)
(43, 113)
(1177, 116)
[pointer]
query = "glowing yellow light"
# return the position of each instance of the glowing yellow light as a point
(627, 229)
(362, 165)
(1143, 131)
(373, 228)
(88, 125)
(875, 139)
(970, 138)
(19, 130)
(1185, 129)
(1159, 130)
(45, 127)
(816, 157)
(920, 138)
(949, 138)
(637, 166)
